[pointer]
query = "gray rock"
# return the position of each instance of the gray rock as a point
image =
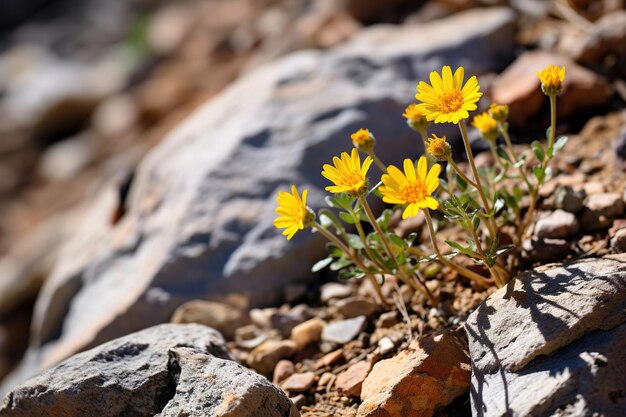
(544, 310)
(538, 249)
(600, 211)
(133, 375)
(209, 386)
(558, 224)
(569, 200)
(343, 331)
(583, 379)
(200, 210)
(608, 36)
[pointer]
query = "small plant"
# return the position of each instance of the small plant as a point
(485, 203)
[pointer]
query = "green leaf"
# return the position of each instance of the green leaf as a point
(319, 265)
(502, 153)
(560, 143)
(347, 217)
(355, 241)
(461, 183)
(331, 201)
(340, 263)
(397, 240)
(540, 173)
(549, 132)
(460, 248)
(538, 150)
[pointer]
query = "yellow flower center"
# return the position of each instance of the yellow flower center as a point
(352, 179)
(451, 101)
(414, 191)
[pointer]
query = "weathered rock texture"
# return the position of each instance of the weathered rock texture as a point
(167, 370)
(552, 342)
(419, 381)
(199, 214)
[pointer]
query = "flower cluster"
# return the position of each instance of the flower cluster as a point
(485, 204)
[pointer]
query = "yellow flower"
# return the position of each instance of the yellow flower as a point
(487, 125)
(363, 140)
(415, 118)
(499, 112)
(412, 188)
(552, 78)
(438, 147)
(293, 213)
(348, 174)
(447, 99)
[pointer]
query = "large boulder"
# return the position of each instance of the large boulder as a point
(552, 341)
(198, 220)
(167, 370)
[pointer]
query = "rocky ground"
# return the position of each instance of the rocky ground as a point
(139, 170)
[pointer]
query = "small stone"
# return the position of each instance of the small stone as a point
(283, 370)
(600, 210)
(264, 357)
(428, 376)
(558, 224)
(262, 317)
(350, 381)
(545, 250)
(308, 332)
(299, 382)
(385, 345)
(325, 380)
(220, 316)
(299, 401)
(333, 290)
(386, 320)
(618, 242)
(569, 200)
(285, 322)
(355, 306)
(343, 331)
(330, 358)
(593, 187)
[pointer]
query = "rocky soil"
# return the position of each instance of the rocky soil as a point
(139, 171)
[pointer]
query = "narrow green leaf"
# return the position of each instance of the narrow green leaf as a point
(319, 265)
(502, 153)
(538, 150)
(347, 217)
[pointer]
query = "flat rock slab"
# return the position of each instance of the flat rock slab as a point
(166, 370)
(584, 379)
(546, 309)
(552, 342)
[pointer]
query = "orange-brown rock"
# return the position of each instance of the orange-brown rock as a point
(418, 381)
(351, 380)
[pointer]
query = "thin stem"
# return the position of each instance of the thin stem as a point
(354, 258)
(460, 173)
(552, 121)
(361, 232)
(458, 268)
(378, 162)
(470, 158)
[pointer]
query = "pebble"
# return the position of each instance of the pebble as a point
(386, 320)
(545, 249)
(385, 346)
(308, 332)
(600, 210)
(329, 358)
(220, 316)
(569, 200)
(264, 357)
(333, 290)
(350, 381)
(558, 224)
(343, 331)
(298, 382)
(285, 322)
(283, 370)
(355, 306)
(618, 241)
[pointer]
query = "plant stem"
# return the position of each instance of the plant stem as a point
(378, 162)
(552, 121)
(461, 174)
(458, 268)
(470, 158)
(332, 238)
(402, 274)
